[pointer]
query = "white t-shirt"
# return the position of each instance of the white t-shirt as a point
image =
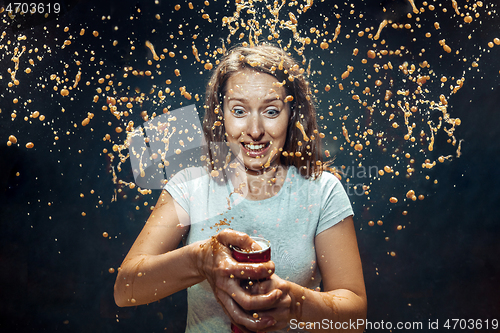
(290, 220)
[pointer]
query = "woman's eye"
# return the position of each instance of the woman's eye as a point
(272, 112)
(238, 112)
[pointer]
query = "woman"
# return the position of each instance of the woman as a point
(263, 178)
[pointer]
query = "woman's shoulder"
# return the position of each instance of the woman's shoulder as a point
(325, 178)
(188, 175)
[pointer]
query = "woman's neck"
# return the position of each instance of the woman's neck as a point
(258, 185)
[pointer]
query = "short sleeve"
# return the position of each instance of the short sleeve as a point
(335, 204)
(183, 184)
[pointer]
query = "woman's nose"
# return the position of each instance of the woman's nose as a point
(255, 128)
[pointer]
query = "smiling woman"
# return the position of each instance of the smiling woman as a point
(263, 178)
(256, 117)
(286, 86)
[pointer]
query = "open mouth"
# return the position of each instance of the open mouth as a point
(255, 148)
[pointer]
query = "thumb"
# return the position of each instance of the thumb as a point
(238, 239)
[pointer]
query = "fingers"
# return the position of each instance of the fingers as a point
(253, 321)
(244, 298)
(255, 271)
(281, 318)
(279, 309)
(236, 238)
(280, 315)
(223, 264)
(264, 286)
(260, 287)
(256, 302)
(247, 271)
(217, 260)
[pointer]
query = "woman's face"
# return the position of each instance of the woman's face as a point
(256, 118)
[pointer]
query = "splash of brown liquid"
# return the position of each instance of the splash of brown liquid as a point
(380, 27)
(301, 128)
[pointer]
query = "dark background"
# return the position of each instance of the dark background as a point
(54, 262)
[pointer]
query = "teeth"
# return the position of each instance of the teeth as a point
(255, 147)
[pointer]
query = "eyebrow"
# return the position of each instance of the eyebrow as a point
(266, 100)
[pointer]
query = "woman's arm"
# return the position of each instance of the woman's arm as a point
(155, 268)
(148, 271)
(344, 298)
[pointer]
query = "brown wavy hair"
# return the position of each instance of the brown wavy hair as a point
(271, 60)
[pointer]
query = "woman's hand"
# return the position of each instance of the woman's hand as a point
(284, 309)
(223, 273)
